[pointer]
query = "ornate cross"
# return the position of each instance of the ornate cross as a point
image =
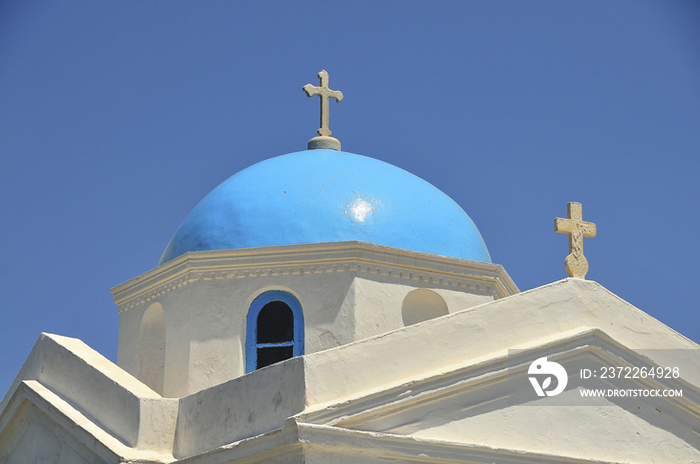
(576, 264)
(325, 93)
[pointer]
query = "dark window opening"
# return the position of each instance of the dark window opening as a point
(275, 323)
(275, 333)
(273, 354)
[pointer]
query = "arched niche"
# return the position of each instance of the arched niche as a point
(152, 348)
(420, 305)
(275, 329)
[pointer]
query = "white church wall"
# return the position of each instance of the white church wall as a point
(458, 301)
(600, 433)
(466, 404)
(391, 382)
(530, 318)
(200, 326)
(130, 324)
(379, 304)
(240, 408)
(152, 348)
(291, 456)
(38, 439)
(205, 323)
(206, 296)
(108, 396)
(341, 453)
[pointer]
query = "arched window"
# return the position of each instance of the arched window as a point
(275, 329)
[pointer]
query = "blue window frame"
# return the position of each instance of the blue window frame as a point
(275, 329)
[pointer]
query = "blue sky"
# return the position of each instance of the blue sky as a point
(117, 118)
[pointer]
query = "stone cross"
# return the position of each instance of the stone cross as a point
(325, 93)
(576, 264)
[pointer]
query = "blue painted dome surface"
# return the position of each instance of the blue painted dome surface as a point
(323, 195)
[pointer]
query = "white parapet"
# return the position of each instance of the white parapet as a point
(105, 395)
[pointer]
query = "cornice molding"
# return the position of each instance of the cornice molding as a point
(317, 258)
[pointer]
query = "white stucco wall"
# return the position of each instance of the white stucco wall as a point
(343, 300)
(38, 439)
(79, 386)
(426, 391)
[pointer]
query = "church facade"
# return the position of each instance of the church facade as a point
(326, 307)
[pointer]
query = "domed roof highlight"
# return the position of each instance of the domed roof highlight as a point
(325, 195)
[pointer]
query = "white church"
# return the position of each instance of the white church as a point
(326, 307)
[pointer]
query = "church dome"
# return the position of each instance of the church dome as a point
(325, 195)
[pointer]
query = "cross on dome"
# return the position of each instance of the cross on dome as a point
(324, 140)
(325, 93)
(576, 264)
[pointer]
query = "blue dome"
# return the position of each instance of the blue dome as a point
(323, 195)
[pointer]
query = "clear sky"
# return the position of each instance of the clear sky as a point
(117, 118)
